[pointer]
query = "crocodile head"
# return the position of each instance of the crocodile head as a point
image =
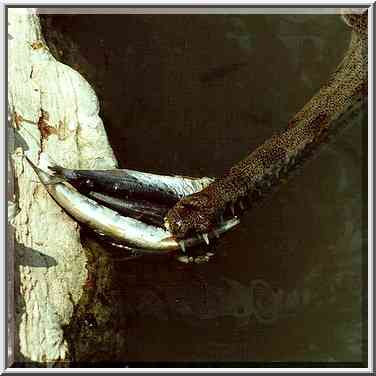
(192, 214)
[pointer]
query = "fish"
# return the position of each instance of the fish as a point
(110, 223)
(147, 211)
(125, 183)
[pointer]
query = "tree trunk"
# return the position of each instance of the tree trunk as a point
(53, 112)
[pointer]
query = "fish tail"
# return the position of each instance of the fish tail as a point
(43, 177)
(63, 173)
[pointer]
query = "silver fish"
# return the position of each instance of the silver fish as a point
(149, 212)
(108, 222)
(167, 189)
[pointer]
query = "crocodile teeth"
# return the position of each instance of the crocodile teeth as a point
(206, 238)
(182, 246)
(184, 259)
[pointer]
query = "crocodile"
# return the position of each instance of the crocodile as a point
(192, 208)
(273, 161)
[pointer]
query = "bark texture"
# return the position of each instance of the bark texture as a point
(53, 115)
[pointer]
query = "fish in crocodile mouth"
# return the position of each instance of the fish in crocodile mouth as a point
(132, 223)
(164, 213)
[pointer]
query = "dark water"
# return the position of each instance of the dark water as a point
(192, 95)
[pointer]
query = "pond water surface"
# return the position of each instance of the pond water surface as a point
(192, 95)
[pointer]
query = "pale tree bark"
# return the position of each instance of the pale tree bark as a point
(53, 113)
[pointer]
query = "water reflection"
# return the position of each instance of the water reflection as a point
(287, 285)
(226, 298)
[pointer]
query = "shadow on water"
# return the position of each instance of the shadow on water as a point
(193, 95)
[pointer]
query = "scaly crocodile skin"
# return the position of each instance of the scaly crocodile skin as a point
(277, 156)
